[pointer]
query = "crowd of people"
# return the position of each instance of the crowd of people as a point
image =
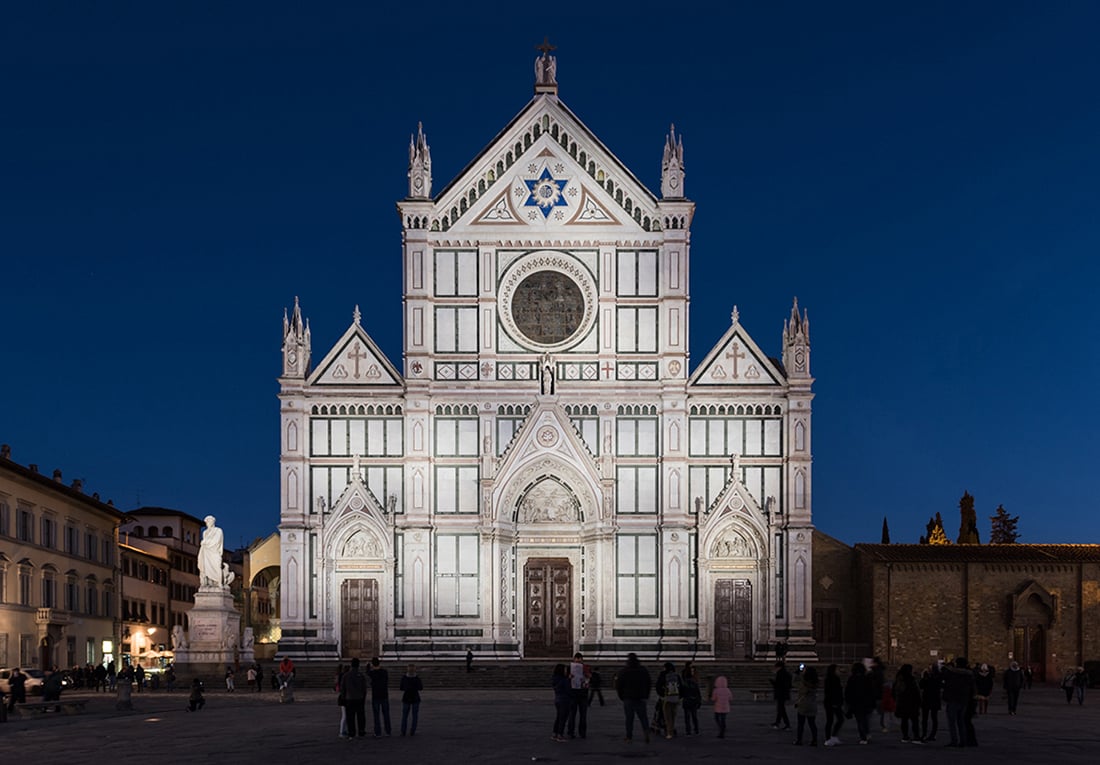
(351, 688)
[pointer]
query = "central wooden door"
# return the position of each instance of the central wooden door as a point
(359, 619)
(733, 619)
(548, 607)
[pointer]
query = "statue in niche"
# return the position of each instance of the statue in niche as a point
(546, 383)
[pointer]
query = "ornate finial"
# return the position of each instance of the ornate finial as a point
(546, 69)
(672, 166)
(356, 316)
(420, 165)
(735, 315)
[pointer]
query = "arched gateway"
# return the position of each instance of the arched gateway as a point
(546, 473)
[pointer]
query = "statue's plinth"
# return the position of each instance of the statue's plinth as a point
(212, 637)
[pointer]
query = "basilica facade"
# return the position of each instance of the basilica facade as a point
(545, 471)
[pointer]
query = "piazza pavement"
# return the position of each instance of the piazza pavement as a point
(505, 726)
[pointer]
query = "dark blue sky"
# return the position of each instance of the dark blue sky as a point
(925, 177)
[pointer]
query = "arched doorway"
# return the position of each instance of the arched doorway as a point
(548, 607)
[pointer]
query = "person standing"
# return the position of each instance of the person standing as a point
(1013, 683)
(958, 693)
(353, 689)
(578, 697)
(692, 699)
(259, 677)
(633, 685)
(805, 705)
(931, 686)
(229, 686)
(595, 687)
(17, 685)
(112, 676)
(781, 694)
(559, 681)
(139, 677)
(878, 689)
(251, 677)
(983, 687)
(834, 706)
(196, 701)
(907, 703)
(860, 699)
(721, 696)
(1080, 681)
(379, 696)
(411, 686)
(469, 660)
(668, 690)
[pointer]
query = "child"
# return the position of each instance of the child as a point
(196, 700)
(721, 696)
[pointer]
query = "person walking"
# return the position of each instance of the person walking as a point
(721, 696)
(805, 705)
(834, 705)
(1080, 681)
(781, 694)
(692, 699)
(931, 688)
(1013, 682)
(860, 699)
(563, 695)
(906, 693)
(353, 691)
(469, 660)
(229, 680)
(379, 696)
(411, 686)
(632, 685)
(139, 677)
(983, 687)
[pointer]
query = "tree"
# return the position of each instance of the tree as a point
(885, 531)
(1003, 531)
(936, 534)
(968, 521)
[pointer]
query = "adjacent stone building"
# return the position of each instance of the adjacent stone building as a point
(58, 576)
(546, 470)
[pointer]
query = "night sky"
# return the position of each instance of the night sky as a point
(924, 177)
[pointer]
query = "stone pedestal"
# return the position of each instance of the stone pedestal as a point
(212, 640)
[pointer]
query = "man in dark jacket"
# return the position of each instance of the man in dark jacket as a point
(353, 687)
(379, 696)
(781, 692)
(633, 685)
(958, 692)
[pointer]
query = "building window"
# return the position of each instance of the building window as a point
(90, 546)
(637, 274)
(636, 575)
(49, 589)
(456, 273)
(374, 437)
(456, 575)
(456, 436)
(506, 431)
(707, 483)
(5, 519)
(3, 579)
(72, 598)
(91, 598)
(456, 330)
(456, 489)
(49, 532)
(827, 625)
(637, 330)
(72, 540)
(109, 601)
(28, 655)
(636, 437)
(636, 489)
(25, 597)
(25, 525)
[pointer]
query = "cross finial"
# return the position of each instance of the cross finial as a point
(735, 315)
(356, 316)
(546, 47)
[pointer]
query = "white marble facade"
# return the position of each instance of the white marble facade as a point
(546, 472)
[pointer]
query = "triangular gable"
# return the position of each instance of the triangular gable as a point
(736, 360)
(546, 169)
(356, 360)
(734, 526)
(547, 430)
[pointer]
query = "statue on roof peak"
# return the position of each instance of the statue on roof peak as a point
(546, 68)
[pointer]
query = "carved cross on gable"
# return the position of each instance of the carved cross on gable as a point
(357, 355)
(735, 354)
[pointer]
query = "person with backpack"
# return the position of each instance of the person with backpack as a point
(668, 690)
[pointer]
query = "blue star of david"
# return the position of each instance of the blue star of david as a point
(545, 193)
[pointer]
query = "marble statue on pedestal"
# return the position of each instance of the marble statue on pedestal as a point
(211, 570)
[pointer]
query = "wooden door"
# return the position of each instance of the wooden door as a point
(548, 607)
(733, 619)
(359, 619)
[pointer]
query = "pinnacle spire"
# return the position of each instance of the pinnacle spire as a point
(672, 166)
(420, 165)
